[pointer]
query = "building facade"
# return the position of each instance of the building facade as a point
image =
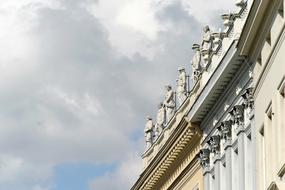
(262, 41)
(226, 131)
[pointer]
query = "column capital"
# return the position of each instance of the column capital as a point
(248, 98)
(214, 143)
(237, 117)
(204, 156)
(225, 129)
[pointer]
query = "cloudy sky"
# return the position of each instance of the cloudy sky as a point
(78, 77)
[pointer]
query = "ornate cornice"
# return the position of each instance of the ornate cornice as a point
(159, 168)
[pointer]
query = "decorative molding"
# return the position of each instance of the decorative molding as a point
(162, 138)
(186, 174)
(215, 44)
(170, 158)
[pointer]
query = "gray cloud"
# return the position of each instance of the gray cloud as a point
(78, 99)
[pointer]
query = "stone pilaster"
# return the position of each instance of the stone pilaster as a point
(226, 134)
(204, 156)
(214, 143)
(238, 121)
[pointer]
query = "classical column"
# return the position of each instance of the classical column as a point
(238, 122)
(204, 156)
(249, 142)
(214, 143)
(226, 134)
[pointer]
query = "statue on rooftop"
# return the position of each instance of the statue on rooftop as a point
(148, 132)
(160, 119)
(169, 102)
(207, 44)
(196, 62)
(207, 39)
(181, 85)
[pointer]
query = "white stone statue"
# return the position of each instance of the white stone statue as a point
(207, 39)
(196, 62)
(148, 132)
(181, 86)
(169, 102)
(228, 22)
(160, 119)
(207, 44)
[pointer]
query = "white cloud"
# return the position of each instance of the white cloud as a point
(68, 95)
(122, 178)
(205, 10)
(22, 174)
(140, 16)
(133, 25)
(85, 103)
(20, 47)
